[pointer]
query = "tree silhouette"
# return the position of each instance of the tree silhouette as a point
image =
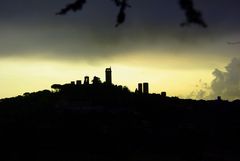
(96, 80)
(56, 87)
(193, 16)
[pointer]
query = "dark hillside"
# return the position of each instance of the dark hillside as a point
(102, 122)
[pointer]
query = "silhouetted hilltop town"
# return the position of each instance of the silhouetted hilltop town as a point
(143, 88)
(95, 121)
(97, 87)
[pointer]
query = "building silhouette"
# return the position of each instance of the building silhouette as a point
(164, 94)
(72, 83)
(145, 88)
(78, 82)
(108, 75)
(140, 88)
(86, 80)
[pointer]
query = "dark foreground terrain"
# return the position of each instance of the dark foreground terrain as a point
(116, 125)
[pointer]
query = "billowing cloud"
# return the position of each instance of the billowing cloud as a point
(225, 83)
(201, 91)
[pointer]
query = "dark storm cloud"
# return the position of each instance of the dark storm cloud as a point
(30, 27)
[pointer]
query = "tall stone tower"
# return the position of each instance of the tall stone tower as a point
(86, 80)
(140, 88)
(145, 88)
(108, 74)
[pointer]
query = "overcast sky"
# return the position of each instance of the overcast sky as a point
(151, 38)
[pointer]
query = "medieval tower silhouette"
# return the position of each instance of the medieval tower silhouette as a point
(108, 74)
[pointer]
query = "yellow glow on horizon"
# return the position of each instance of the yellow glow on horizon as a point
(175, 82)
(20, 76)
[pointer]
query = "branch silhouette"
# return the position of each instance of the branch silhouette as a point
(193, 16)
(121, 15)
(77, 5)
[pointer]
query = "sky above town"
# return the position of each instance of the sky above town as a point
(38, 48)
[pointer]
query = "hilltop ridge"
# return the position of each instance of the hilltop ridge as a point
(103, 121)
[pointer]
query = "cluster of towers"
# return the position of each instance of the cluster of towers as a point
(143, 88)
(108, 78)
(79, 82)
